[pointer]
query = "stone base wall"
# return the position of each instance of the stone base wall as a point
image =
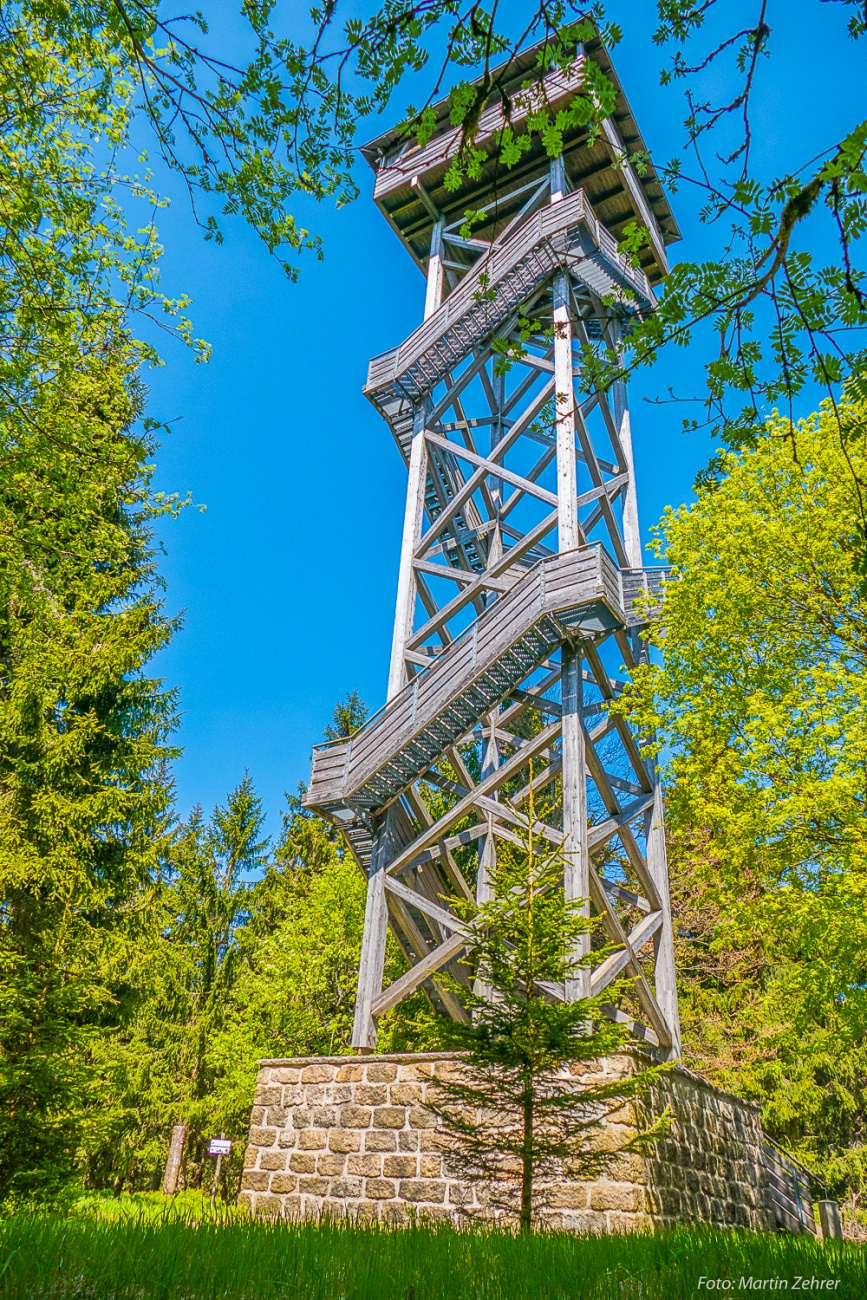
(352, 1136)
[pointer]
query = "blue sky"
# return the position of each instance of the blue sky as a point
(287, 579)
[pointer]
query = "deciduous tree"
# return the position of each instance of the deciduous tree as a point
(761, 708)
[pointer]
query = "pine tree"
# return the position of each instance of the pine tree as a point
(349, 714)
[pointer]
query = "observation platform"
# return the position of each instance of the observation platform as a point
(576, 594)
(565, 234)
(613, 168)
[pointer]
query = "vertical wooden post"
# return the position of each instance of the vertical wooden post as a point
(488, 843)
(495, 546)
(576, 858)
(829, 1219)
(415, 488)
(557, 174)
(568, 534)
(631, 527)
(434, 294)
(664, 978)
(412, 521)
(173, 1163)
(488, 847)
(576, 855)
(373, 943)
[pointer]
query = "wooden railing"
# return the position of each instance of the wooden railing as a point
(639, 584)
(793, 1191)
(549, 237)
(467, 679)
(410, 159)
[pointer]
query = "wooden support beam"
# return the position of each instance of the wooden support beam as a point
(415, 899)
(616, 962)
(406, 587)
(634, 186)
(472, 590)
(602, 831)
(401, 920)
(468, 836)
(456, 575)
(472, 483)
(450, 867)
(502, 810)
(664, 975)
(455, 389)
(631, 526)
(576, 846)
(463, 806)
(496, 471)
(618, 936)
(607, 687)
(373, 941)
(443, 782)
(458, 764)
(434, 290)
(488, 843)
(569, 533)
(643, 1032)
(535, 701)
(409, 982)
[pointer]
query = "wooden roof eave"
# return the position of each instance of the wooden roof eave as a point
(644, 193)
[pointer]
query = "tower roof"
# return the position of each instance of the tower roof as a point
(409, 187)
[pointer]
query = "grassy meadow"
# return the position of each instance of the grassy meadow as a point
(133, 1250)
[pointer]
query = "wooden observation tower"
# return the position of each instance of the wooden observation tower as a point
(520, 562)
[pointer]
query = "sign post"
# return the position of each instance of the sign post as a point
(218, 1147)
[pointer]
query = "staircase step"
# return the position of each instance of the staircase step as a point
(460, 686)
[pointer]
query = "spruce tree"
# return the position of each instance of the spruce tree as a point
(167, 1063)
(513, 1119)
(84, 795)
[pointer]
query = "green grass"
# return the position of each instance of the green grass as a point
(189, 1207)
(152, 1256)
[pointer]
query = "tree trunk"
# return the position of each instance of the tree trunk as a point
(527, 1152)
(173, 1164)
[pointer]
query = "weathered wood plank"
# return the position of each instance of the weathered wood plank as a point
(419, 161)
(415, 899)
(417, 974)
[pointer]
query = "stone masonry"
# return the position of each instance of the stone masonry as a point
(352, 1136)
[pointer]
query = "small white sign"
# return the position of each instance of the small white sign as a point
(219, 1147)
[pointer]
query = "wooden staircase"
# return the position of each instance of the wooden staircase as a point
(565, 234)
(577, 594)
